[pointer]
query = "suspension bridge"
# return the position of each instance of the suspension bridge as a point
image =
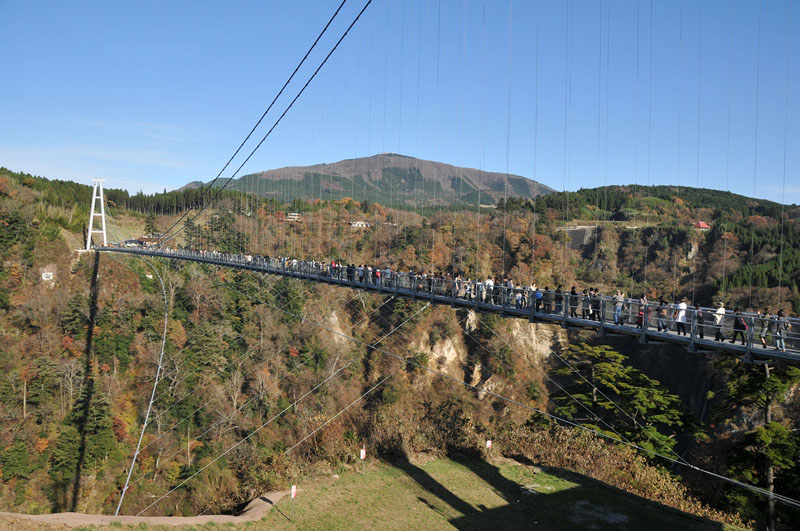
(700, 327)
(641, 318)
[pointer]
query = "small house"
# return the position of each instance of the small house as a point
(702, 226)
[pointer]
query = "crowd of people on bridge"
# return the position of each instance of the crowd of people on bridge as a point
(588, 303)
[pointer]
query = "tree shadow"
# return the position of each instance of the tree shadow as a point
(587, 504)
(81, 422)
(427, 482)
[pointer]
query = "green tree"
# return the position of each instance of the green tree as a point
(150, 224)
(16, 461)
(64, 457)
(43, 384)
(113, 348)
(73, 319)
(780, 447)
(763, 456)
(91, 415)
(288, 297)
(605, 393)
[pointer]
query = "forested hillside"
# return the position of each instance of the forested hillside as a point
(79, 352)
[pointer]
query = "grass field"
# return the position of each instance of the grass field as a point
(453, 494)
(470, 494)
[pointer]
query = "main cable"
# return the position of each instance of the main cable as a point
(278, 95)
(280, 118)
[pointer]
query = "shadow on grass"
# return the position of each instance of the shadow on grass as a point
(427, 482)
(589, 504)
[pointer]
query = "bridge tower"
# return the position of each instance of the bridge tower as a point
(97, 193)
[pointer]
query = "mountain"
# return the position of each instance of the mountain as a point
(390, 179)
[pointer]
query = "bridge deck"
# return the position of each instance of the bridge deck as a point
(697, 338)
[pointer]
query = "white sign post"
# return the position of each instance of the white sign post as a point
(488, 447)
(294, 494)
(363, 455)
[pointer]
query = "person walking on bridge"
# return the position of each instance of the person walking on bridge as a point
(573, 303)
(739, 326)
(719, 317)
(547, 298)
(782, 328)
(680, 317)
(701, 319)
(586, 308)
(663, 307)
(559, 300)
(765, 326)
(619, 307)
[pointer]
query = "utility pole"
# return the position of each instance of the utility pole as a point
(97, 193)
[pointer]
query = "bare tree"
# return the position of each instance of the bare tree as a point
(71, 374)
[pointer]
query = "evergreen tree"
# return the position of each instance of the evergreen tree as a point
(73, 319)
(773, 445)
(287, 296)
(94, 420)
(606, 393)
(42, 386)
(16, 461)
(63, 463)
(150, 224)
(64, 457)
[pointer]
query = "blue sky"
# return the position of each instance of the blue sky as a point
(151, 95)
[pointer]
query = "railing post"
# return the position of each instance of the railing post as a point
(602, 330)
(643, 329)
(565, 309)
(750, 334)
(693, 332)
(454, 296)
(531, 305)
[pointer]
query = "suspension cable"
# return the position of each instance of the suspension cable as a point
(544, 373)
(785, 136)
(155, 384)
(251, 399)
(287, 408)
(280, 118)
(697, 166)
(784, 499)
(535, 148)
(348, 406)
(278, 95)
(755, 155)
(593, 386)
(508, 131)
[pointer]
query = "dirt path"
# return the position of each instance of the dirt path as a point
(255, 510)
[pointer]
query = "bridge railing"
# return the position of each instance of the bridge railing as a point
(695, 326)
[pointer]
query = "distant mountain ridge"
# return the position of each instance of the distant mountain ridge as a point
(388, 178)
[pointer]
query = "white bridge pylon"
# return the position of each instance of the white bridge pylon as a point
(97, 193)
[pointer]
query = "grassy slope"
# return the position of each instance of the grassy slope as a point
(470, 494)
(460, 494)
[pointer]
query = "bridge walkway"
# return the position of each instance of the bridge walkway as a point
(698, 337)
